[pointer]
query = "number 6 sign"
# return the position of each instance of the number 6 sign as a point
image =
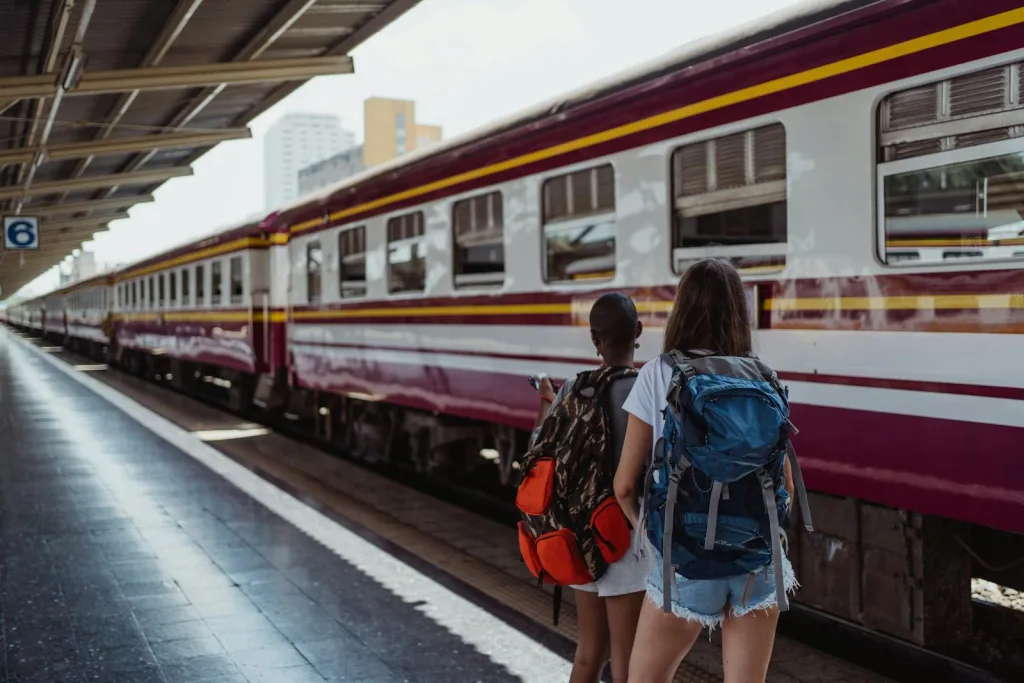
(21, 232)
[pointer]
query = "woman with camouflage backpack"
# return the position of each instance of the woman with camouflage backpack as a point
(607, 609)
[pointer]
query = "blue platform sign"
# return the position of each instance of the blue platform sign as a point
(21, 232)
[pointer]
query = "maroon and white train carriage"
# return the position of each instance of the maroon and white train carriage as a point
(860, 163)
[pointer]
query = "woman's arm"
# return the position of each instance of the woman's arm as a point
(548, 400)
(636, 449)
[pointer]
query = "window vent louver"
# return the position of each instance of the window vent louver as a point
(972, 109)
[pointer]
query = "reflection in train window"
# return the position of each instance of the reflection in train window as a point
(352, 262)
(478, 224)
(952, 171)
(957, 211)
(407, 262)
(730, 200)
(579, 225)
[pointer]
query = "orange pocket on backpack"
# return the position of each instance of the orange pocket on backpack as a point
(528, 549)
(534, 494)
(561, 560)
(611, 529)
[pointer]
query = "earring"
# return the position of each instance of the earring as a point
(636, 346)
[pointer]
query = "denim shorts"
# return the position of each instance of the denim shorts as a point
(710, 601)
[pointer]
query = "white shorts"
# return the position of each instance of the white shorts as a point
(628, 575)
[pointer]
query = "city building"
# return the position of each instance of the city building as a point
(331, 170)
(389, 131)
(293, 143)
(78, 267)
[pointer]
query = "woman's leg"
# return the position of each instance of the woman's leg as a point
(592, 641)
(623, 615)
(662, 640)
(747, 644)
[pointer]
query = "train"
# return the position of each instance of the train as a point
(860, 162)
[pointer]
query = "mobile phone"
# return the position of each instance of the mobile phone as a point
(535, 380)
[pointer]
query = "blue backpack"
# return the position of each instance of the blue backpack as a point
(715, 499)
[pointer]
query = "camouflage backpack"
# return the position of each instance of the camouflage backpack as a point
(572, 527)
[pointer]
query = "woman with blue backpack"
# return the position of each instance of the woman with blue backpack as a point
(709, 425)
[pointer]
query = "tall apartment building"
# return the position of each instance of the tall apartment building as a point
(389, 131)
(296, 141)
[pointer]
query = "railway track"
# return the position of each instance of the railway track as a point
(895, 659)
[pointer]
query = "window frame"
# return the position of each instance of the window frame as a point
(172, 288)
(201, 290)
(186, 287)
(593, 218)
(319, 275)
(341, 265)
(747, 193)
(239, 299)
(216, 283)
(415, 241)
(931, 161)
(478, 280)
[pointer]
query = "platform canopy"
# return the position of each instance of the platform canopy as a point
(102, 101)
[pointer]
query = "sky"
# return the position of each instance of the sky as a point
(464, 62)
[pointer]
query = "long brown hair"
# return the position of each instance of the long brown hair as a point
(710, 311)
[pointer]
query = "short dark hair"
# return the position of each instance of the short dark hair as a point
(710, 311)
(613, 320)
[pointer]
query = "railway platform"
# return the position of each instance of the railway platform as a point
(128, 558)
(145, 536)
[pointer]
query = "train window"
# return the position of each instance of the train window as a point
(172, 286)
(478, 224)
(729, 200)
(135, 294)
(200, 286)
(151, 291)
(952, 164)
(407, 258)
(237, 281)
(216, 283)
(579, 225)
(314, 272)
(120, 296)
(352, 262)
(162, 289)
(186, 276)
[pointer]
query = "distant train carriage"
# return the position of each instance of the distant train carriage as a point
(201, 313)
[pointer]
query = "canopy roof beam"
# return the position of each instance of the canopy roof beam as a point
(97, 182)
(179, 77)
(79, 150)
(84, 207)
(47, 228)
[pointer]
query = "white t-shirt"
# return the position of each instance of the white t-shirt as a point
(648, 397)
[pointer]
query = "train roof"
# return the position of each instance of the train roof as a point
(802, 15)
(253, 226)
